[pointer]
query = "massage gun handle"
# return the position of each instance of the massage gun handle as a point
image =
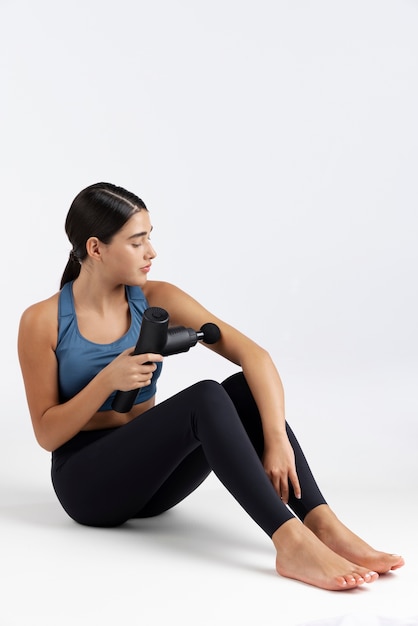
(152, 338)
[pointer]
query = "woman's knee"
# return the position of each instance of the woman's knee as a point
(240, 394)
(210, 392)
(211, 403)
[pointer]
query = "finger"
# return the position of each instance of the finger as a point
(151, 357)
(284, 490)
(296, 485)
(281, 487)
(275, 480)
(143, 381)
(147, 368)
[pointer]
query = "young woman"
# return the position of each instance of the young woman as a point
(75, 350)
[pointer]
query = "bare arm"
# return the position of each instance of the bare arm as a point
(53, 422)
(258, 368)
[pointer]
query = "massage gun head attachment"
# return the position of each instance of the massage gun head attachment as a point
(210, 332)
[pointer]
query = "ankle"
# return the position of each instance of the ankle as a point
(320, 518)
(290, 534)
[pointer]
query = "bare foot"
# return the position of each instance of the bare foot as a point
(302, 556)
(328, 528)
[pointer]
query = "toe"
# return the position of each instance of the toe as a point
(399, 563)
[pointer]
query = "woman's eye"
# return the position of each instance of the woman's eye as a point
(138, 245)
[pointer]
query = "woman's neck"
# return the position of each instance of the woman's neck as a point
(92, 293)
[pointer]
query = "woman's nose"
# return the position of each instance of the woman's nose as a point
(151, 254)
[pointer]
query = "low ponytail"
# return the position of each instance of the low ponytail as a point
(71, 271)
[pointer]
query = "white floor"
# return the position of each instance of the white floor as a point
(203, 563)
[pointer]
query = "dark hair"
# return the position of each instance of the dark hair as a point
(100, 210)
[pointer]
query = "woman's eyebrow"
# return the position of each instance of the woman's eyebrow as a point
(143, 234)
(138, 235)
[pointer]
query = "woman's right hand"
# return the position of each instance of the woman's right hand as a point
(132, 371)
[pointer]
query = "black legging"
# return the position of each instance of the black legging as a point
(106, 477)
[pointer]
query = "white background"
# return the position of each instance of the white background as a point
(275, 144)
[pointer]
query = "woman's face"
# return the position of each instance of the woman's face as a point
(127, 259)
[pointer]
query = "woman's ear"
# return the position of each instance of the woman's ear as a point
(93, 247)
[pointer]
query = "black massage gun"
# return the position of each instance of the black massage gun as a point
(155, 336)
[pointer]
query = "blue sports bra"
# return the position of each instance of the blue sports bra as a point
(79, 360)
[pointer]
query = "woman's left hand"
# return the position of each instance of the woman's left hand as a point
(280, 467)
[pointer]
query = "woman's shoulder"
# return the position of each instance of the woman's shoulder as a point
(184, 310)
(162, 293)
(155, 288)
(41, 315)
(38, 332)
